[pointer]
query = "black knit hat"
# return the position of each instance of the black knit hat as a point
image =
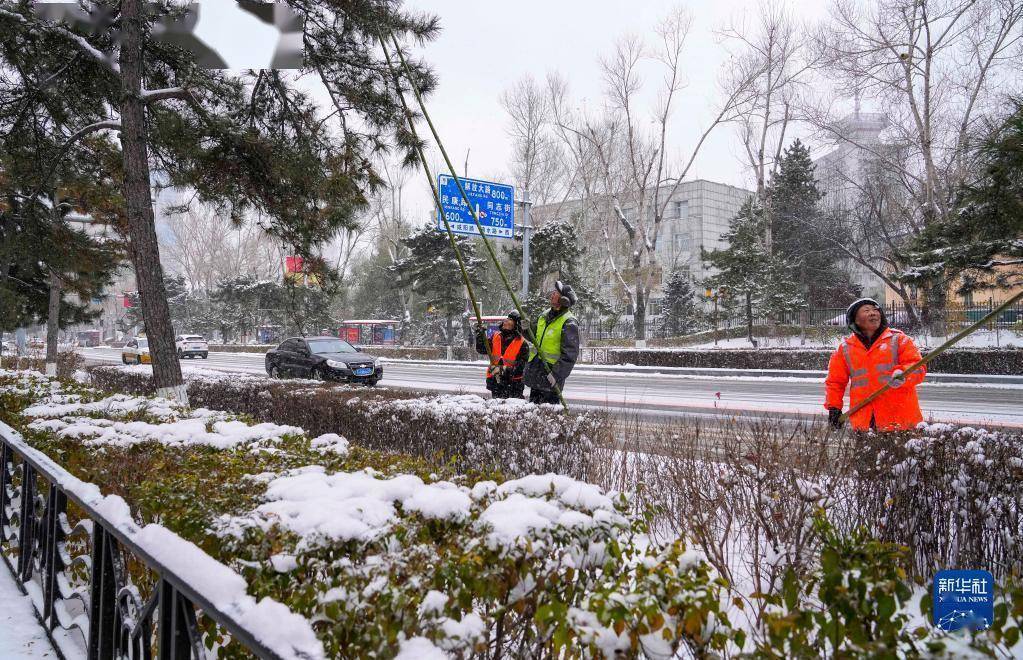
(566, 292)
(850, 314)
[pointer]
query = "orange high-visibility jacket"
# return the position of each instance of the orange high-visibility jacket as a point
(504, 356)
(866, 371)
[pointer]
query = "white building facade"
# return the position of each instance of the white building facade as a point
(697, 215)
(841, 174)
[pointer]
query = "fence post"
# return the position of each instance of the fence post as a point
(102, 595)
(56, 507)
(26, 534)
(6, 471)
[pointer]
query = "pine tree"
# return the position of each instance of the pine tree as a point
(682, 314)
(250, 143)
(751, 279)
(432, 272)
(982, 244)
(555, 253)
(802, 231)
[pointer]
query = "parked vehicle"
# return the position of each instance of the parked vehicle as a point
(136, 351)
(323, 358)
(191, 346)
(88, 338)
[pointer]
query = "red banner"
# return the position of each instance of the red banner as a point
(293, 264)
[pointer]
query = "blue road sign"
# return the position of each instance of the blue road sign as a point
(495, 202)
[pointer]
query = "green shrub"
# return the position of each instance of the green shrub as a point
(1006, 361)
(464, 431)
(544, 566)
(68, 362)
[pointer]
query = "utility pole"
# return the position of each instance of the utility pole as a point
(526, 229)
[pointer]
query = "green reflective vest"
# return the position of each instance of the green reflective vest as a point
(548, 337)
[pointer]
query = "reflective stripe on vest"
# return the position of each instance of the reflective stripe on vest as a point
(859, 376)
(549, 338)
(506, 355)
(883, 370)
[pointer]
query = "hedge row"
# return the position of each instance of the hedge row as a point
(957, 361)
(393, 352)
(67, 363)
(379, 555)
(382, 555)
(466, 431)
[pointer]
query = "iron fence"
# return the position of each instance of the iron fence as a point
(99, 594)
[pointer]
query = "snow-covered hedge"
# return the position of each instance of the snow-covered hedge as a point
(385, 555)
(1007, 361)
(67, 362)
(467, 431)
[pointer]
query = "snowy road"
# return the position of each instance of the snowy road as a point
(654, 394)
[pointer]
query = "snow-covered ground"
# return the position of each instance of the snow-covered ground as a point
(21, 635)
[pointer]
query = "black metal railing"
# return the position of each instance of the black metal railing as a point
(86, 576)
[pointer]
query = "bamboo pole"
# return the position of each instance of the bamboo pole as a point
(527, 330)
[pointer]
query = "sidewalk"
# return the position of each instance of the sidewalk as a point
(21, 635)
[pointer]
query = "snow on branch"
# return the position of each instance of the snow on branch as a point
(166, 93)
(108, 124)
(79, 40)
(629, 227)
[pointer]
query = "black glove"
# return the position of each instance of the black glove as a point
(835, 418)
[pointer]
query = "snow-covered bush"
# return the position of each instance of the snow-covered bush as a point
(746, 493)
(952, 495)
(384, 553)
(856, 602)
(467, 431)
(67, 362)
(1006, 361)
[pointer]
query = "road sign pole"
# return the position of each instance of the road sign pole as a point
(527, 228)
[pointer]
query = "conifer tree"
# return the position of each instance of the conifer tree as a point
(980, 246)
(750, 278)
(432, 272)
(682, 314)
(802, 231)
(243, 143)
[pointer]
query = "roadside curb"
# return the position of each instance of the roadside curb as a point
(982, 379)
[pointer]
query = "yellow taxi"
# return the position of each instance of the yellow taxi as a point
(136, 351)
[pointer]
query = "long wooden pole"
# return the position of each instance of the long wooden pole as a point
(935, 353)
(527, 330)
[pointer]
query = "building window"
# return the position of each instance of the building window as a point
(683, 241)
(682, 209)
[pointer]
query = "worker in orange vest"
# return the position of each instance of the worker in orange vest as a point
(872, 356)
(508, 358)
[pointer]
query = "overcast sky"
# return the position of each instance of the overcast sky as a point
(484, 47)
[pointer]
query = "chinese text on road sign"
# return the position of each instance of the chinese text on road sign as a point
(495, 202)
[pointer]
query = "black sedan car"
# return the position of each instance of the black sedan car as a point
(323, 358)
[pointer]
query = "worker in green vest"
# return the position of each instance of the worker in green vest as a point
(557, 346)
